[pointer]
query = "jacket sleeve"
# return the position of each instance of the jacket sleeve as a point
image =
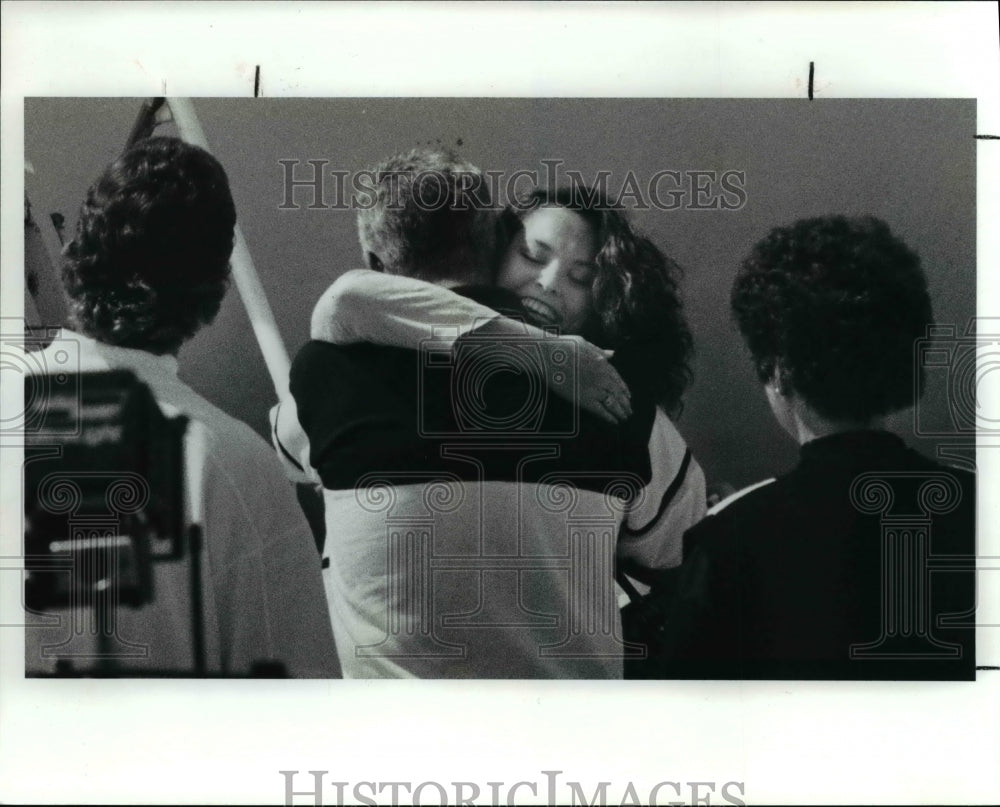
(674, 501)
(367, 306)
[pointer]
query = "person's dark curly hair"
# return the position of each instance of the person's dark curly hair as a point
(833, 305)
(149, 263)
(637, 307)
(431, 216)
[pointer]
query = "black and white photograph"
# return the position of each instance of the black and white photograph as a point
(489, 491)
(589, 412)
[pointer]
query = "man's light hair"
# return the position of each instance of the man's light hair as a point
(432, 218)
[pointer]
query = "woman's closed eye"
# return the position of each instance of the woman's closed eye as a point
(530, 257)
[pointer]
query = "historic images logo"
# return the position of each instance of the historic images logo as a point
(551, 791)
(314, 185)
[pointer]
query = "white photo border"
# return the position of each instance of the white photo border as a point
(92, 741)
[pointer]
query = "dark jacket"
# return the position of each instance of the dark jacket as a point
(858, 564)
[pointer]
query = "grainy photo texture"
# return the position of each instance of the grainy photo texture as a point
(500, 388)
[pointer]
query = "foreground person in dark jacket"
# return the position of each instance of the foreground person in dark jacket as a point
(828, 571)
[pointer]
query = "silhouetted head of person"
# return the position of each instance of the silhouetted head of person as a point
(830, 309)
(431, 217)
(148, 265)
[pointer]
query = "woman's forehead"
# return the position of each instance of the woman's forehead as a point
(558, 227)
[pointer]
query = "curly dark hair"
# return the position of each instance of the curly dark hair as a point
(834, 305)
(431, 217)
(149, 263)
(637, 312)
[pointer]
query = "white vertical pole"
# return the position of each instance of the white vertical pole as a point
(247, 281)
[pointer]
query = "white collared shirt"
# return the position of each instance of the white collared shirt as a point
(262, 589)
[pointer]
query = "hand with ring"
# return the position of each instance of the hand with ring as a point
(593, 383)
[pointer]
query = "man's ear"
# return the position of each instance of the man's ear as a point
(375, 262)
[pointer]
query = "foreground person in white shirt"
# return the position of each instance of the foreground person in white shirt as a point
(147, 268)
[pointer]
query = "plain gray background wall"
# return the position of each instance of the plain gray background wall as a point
(909, 162)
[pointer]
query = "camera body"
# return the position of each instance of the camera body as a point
(103, 489)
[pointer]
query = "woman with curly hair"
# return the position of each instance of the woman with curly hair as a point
(799, 577)
(576, 264)
(602, 280)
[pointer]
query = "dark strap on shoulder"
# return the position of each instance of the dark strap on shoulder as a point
(668, 497)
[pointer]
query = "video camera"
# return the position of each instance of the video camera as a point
(104, 499)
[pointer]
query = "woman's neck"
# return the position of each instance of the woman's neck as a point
(811, 426)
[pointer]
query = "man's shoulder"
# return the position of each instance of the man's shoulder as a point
(244, 470)
(323, 372)
(919, 462)
(947, 494)
(937, 486)
(742, 514)
(318, 352)
(227, 436)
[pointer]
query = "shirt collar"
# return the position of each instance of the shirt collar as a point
(115, 356)
(864, 442)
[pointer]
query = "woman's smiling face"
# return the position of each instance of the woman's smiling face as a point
(550, 265)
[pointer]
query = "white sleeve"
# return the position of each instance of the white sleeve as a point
(265, 588)
(367, 306)
(732, 497)
(674, 500)
(291, 443)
